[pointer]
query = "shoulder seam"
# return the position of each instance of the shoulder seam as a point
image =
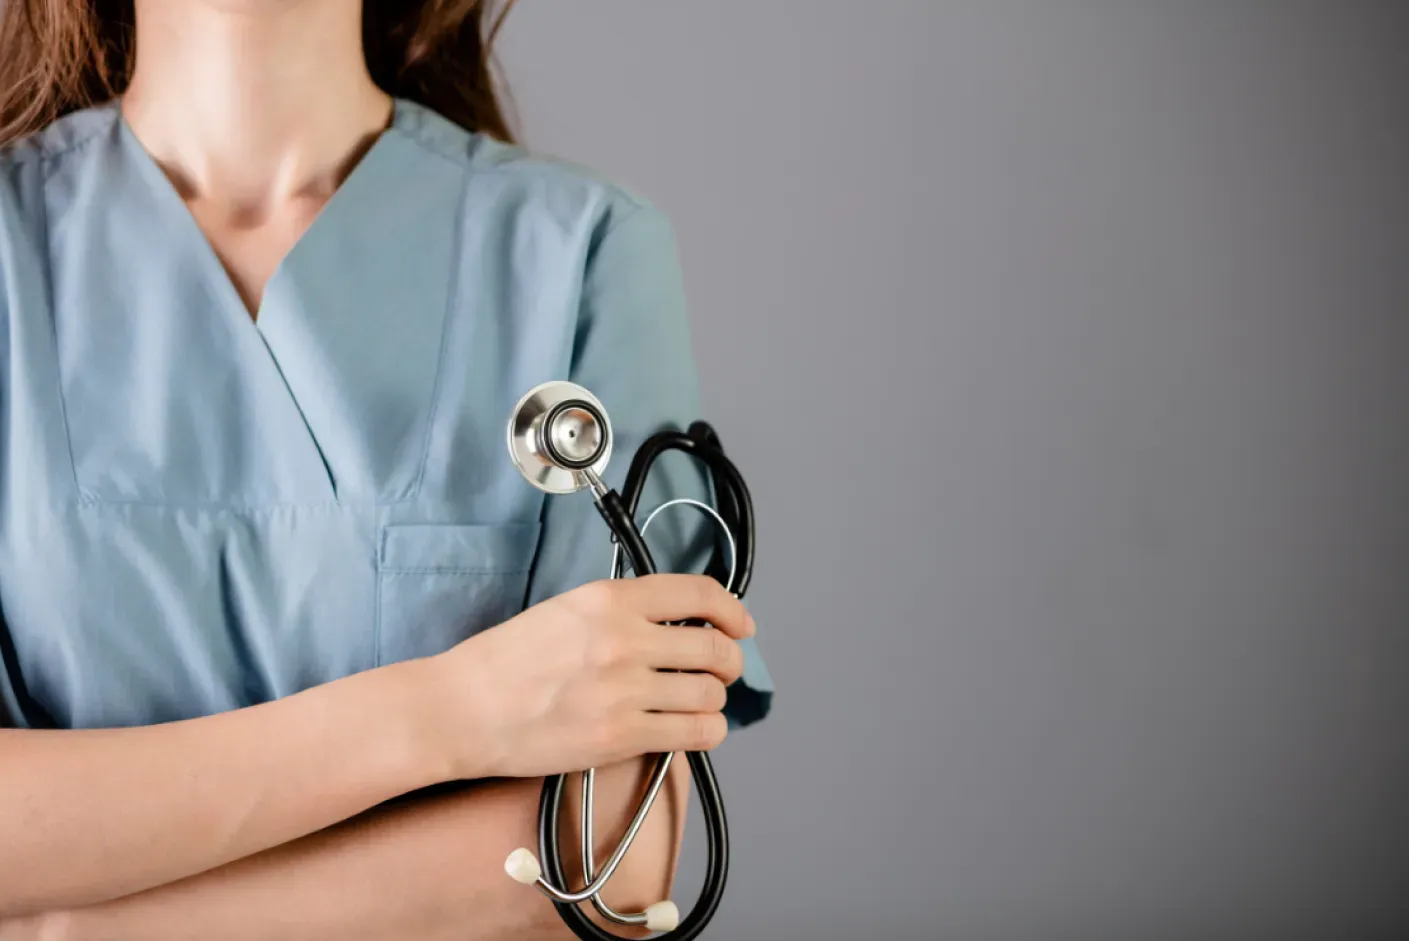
(464, 160)
(636, 210)
(461, 161)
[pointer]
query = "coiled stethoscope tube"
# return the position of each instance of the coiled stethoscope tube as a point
(560, 438)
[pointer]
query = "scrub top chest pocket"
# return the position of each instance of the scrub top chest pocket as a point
(438, 584)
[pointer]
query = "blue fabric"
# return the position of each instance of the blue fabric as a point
(200, 512)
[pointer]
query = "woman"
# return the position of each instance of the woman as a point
(271, 279)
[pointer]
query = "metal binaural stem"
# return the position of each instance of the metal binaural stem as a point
(588, 786)
(599, 489)
(663, 762)
(559, 437)
(595, 886)
(596, 881)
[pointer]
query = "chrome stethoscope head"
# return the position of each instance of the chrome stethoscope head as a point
(560, 438)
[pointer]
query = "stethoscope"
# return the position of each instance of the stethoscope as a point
(561, 439)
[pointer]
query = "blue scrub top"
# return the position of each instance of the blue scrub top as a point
(200, 512)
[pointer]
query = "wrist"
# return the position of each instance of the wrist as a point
(416, 716)
(447, 723)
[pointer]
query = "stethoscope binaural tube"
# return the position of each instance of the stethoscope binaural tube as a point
(560, 438)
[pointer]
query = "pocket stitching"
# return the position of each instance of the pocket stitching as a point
(515, 552)
(514, 559)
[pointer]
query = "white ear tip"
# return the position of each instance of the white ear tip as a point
(522, 866)
(663, 916)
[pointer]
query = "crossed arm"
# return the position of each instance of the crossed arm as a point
(428, 868)
(273, 822)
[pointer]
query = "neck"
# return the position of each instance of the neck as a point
(253, 102)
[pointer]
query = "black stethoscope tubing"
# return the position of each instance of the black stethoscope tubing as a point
(735, 507)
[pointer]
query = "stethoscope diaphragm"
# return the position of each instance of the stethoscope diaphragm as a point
(557, 433)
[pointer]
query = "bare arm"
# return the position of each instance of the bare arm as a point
(428, 870)
(573, 682)
(94, 815)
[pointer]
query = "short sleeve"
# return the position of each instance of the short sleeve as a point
(632, 350)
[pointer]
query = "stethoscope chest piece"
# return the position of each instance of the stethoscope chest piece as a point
(558, 432)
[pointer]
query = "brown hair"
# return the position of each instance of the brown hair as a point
(58, 56)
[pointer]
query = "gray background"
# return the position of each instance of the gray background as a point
(1065, 346)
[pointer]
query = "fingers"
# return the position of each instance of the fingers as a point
(696, 649)
(682, 731)
(683, 692)
(669, 597)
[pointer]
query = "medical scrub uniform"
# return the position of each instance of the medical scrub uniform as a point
(201, 511)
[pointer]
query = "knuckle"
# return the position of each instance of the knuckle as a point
(723, 652)
(653, 587)
(706, 590)
(628, 694)
(692, 591)
(714, 695)
(713, 595)
(702, 648)
(596, 599)
(714, 646)
(610, 647)
(610, 736)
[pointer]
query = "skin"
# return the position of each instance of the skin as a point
(224, 822)
(290, 820)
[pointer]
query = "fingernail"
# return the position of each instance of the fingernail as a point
(753, 626)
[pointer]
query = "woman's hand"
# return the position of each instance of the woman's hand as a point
(575, 682)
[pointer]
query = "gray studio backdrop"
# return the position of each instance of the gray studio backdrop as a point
(1067, 347)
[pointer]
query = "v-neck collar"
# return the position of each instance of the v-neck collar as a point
(341, 367)
(213, 270)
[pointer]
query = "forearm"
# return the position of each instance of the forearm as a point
(98, 814)
(427, 870)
